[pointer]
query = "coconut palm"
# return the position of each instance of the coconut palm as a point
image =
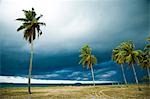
(118, 56)
(31, 26)
(87, 59)
(132, 56)
(145, 62)
(147, 47)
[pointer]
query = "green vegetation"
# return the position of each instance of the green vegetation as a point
(126, 53)
(31, 27)
(87, 59)
(145, 61)
(78, 92)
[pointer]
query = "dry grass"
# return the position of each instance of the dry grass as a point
(78, 92)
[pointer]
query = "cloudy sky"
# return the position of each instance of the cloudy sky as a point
(103, 24)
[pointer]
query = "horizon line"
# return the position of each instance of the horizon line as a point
(24, 80)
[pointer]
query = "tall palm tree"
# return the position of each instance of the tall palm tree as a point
(132, 56)
(87, 59)
(118, 56)
(31, 26)
(145, 62)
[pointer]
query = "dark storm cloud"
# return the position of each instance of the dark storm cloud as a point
(108, 71)
(102, 24)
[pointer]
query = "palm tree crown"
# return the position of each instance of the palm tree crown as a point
(30, 25)
(132, 56)
(87, 59)
(118, 55)
(147, 47)
(145, 61)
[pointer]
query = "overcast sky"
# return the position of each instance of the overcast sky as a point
(103, 24)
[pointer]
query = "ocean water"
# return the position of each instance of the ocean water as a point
(5, 85)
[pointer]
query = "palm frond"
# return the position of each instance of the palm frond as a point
(39, 17)
(22, 19)
(21, 27)
(41, 23)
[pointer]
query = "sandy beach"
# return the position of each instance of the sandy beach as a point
(78, 92)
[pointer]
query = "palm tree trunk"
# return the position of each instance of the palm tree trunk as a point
(135, 74)
(148, 74)
(123, 74)
(30, 67)
(92, 75)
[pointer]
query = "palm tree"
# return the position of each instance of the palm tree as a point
(119, 57)
(132, 56)
(145, 62)
(31, 27)
(87, 59)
